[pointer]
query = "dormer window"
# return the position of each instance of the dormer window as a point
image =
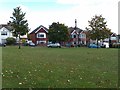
(3, 32)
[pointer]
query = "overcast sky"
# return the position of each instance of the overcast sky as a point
(44, 12)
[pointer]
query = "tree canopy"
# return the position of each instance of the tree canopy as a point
(98, 28)
(20, 26)
(58, 32)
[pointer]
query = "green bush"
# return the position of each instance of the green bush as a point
(10, 41)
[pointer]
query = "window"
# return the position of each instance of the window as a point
(41, 42)
(3, 32)
(74, 42)
(74, 36)
(41, 35)
(82, 36)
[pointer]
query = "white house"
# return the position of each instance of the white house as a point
(4, 33)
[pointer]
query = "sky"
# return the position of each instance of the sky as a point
(45, 12)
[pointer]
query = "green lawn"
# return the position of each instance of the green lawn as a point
(59, 67)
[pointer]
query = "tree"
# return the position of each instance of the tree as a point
(98, 29)
(58, 32)
(20, 26)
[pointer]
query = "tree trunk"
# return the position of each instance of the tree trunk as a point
(19, 42)
(97, 43)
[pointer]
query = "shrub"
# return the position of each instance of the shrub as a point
(10, 41)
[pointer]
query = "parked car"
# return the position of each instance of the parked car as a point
(31, 44)
(93, 46)
(4, 45)
(54, 45)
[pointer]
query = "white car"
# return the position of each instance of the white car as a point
(54, 45)
(31, 44)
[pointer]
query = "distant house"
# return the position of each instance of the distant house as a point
(113, 38)
(39, 36)
(118, 37)
(77, 36)
(5, 33)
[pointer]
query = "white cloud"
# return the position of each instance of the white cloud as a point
(82, 10)
(25, 1)
(68, 1)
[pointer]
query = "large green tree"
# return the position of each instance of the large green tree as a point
(98, 29)
(58, 32)
(19, 24)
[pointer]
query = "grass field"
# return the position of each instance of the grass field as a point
(59, 67)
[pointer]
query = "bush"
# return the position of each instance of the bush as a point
(10, 41)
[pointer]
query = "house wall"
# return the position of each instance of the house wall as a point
(4, 37)
(33, 38)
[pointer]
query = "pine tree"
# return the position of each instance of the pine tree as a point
(20, 26)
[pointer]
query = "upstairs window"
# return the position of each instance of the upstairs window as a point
(41, 35)
(3, 32)
(82, 35)
(74, 36)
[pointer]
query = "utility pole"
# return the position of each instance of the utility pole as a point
(77, 32)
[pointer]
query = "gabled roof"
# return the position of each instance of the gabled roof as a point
(38, 28)
(6, 26)
(113, 34)
(72, 30)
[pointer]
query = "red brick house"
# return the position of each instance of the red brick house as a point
(39, 36)
(77, 36)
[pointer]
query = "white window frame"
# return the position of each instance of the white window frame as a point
(40, 42)
(41, 34)
(4, 33)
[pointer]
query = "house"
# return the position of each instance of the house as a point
(39, 36)
(5, 33)
(118, 38)
(113, 38)
(77, 36)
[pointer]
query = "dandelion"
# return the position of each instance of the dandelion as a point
(68, 80)
(71, 71)
(20, 83)
(51, 71)
(3, 75)
(81, 78)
